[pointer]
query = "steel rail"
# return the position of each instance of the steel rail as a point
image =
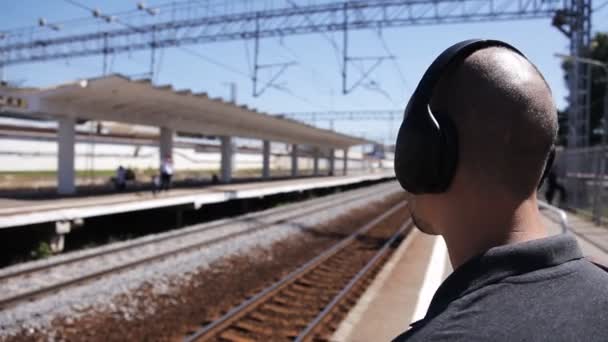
(176, 235)
(250, 304)
(29, 295)
(561, 214)
(307, 332)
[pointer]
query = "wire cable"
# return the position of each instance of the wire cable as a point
(77, 4)
(404, 83)
(600, 6)
(185, 49)
(214, 62)
(329, 38)
(301, 98)
(208, 59)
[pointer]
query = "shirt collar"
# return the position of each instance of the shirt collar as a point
(500, 262)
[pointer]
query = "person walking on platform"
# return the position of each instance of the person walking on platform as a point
(552, 186)
(120, 180)
(166, 173)
(476, 141)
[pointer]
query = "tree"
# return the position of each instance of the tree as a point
(598, 51)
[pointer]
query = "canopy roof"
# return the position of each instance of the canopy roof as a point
(117, 98)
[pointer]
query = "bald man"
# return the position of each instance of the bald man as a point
(511, 282)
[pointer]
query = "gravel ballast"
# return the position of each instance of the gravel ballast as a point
(114, 294)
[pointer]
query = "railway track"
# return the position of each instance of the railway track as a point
(253, 223)
(308, 303)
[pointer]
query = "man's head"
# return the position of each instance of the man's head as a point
(506, 124)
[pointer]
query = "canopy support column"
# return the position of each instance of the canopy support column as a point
(166, 143)
(315, 162)
(332, 161)
(66, 138)
(345, 160)
(266, 159)
(227, 159)
(294, 160)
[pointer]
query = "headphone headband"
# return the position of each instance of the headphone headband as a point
(426, 151)
(452, 55)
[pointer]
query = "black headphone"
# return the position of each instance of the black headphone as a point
(426, 151)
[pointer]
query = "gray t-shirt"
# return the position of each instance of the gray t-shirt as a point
(539, 290)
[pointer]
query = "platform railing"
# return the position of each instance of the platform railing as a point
(561, 214)
(582, 172)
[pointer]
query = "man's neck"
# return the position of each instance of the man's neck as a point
(491, 227)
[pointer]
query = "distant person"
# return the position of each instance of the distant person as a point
(552, 186)
(166, 173)
(156, 184)
(214, 179)
(120, 182)
(476, 138)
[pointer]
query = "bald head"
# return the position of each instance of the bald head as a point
(505, 117)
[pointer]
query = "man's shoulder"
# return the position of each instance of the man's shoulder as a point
(601, 267)
(589, 275)
(568, 303)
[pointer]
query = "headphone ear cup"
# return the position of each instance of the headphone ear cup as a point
(416, 154)
(548, 167)
(448, 159)
(426, 153)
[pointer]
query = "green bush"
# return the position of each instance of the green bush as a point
(42, 251)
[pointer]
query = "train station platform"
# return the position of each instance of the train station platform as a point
(403, 289)
(15, 213)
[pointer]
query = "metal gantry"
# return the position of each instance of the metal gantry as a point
(202, 22)
(30, 45)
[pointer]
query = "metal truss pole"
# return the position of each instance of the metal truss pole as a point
(257, 91)
(256, 52)
(174, 26)
(105, 54)
(575, 22)
(152, 54)
(345, 49)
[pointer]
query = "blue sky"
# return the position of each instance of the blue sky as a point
(314, 84)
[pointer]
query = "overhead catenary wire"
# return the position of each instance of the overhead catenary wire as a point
(404, 82)
(77, 4)
(159, 63)
(248, 57)
(330, 39)
(600, 6)
(301, 98)
(229, 68)
(187, 50)
(315, 73)
(208, 59)
(338, 52)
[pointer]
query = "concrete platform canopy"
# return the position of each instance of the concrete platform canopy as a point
(117, 98)
(120, 99)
